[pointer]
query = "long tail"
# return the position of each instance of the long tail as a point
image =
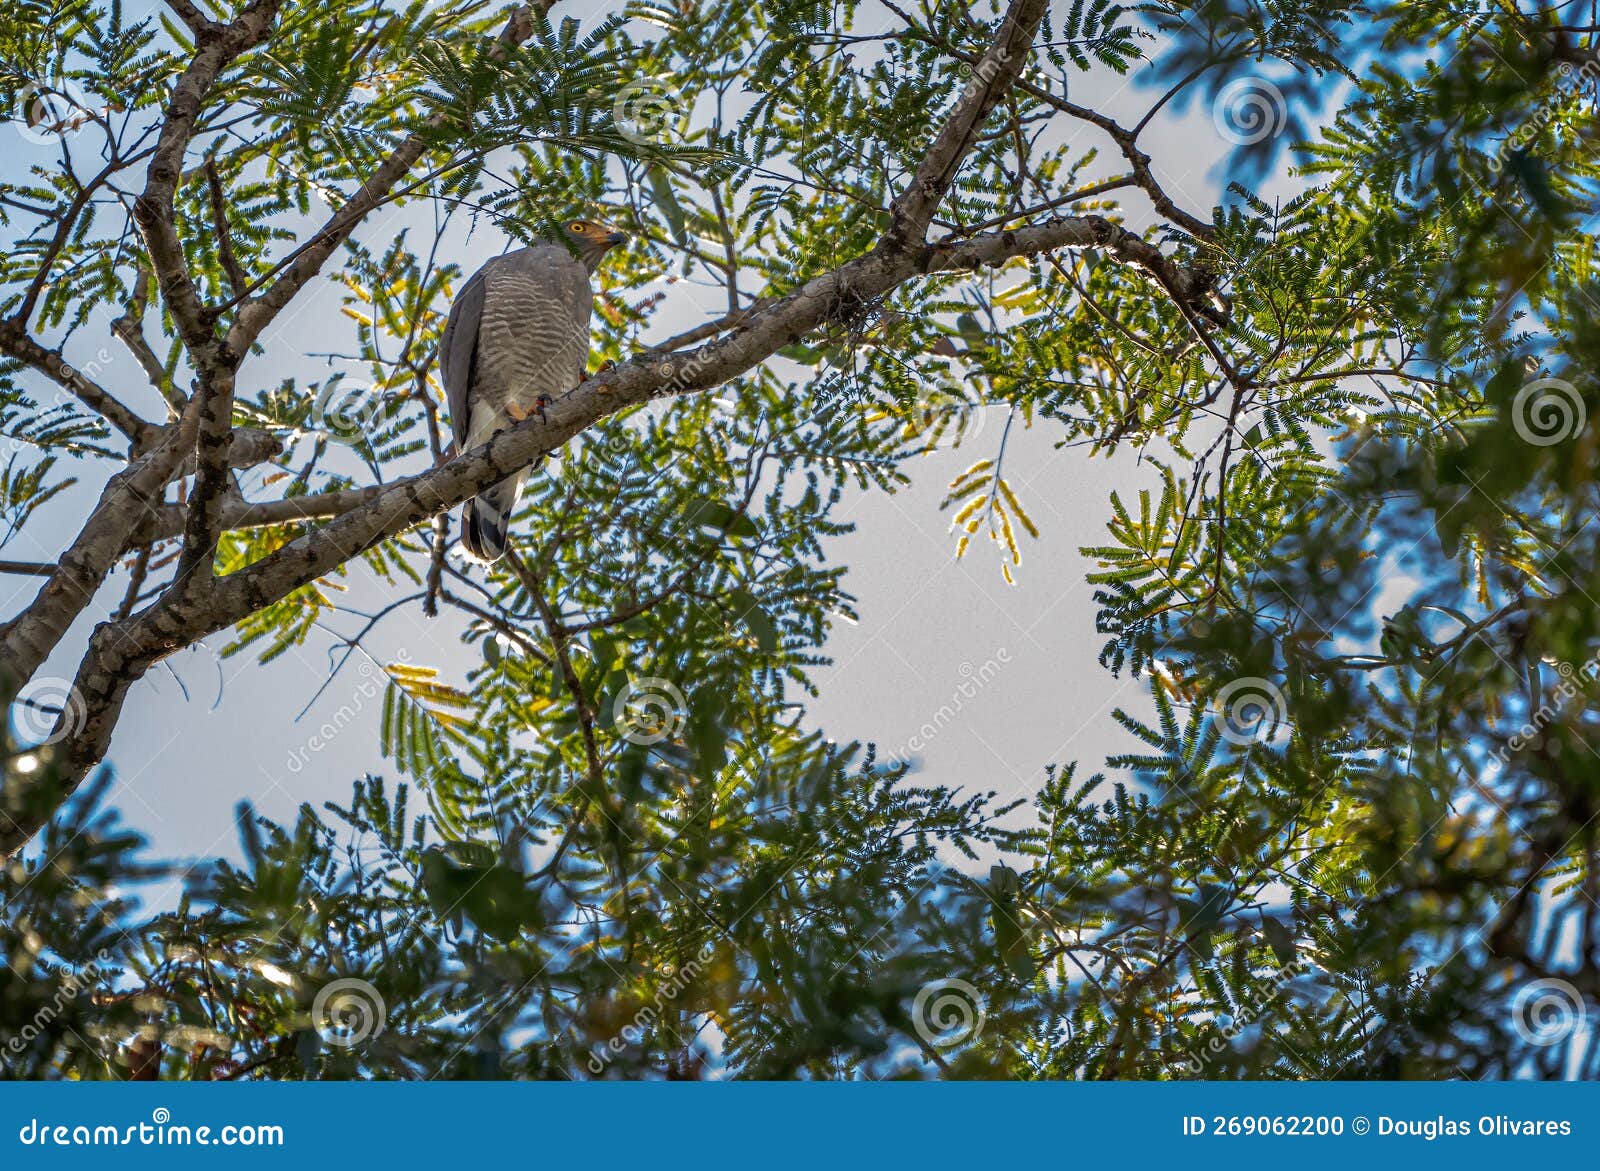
(486, 520)
(484, 530)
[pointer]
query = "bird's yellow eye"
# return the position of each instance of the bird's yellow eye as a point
(580, 227)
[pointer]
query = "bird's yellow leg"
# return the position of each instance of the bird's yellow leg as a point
(519, 412)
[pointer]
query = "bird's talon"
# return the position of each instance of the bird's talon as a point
(516, 412)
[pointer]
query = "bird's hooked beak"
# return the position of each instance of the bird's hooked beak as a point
(615, 238)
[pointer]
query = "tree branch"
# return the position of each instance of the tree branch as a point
(129, 328)
(32, 635)
(167, 521)
(16, 343)
(237, 281)
(216, 47)
(257, 313)
(992, 76)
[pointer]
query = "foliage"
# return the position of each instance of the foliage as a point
(1358, 827)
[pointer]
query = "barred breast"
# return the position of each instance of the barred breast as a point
(534, 338)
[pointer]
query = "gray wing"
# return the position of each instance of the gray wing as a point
(458, 351)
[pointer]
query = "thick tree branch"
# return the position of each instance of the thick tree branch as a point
(203, 526)
(30, 637)
(168, 520)
(216, 47)
(996, 71)
(122, 651)
(198, 22)
(16, 343)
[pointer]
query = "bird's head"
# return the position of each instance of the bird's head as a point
(591, 240)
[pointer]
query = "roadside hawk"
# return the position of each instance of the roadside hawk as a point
(518, 335)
